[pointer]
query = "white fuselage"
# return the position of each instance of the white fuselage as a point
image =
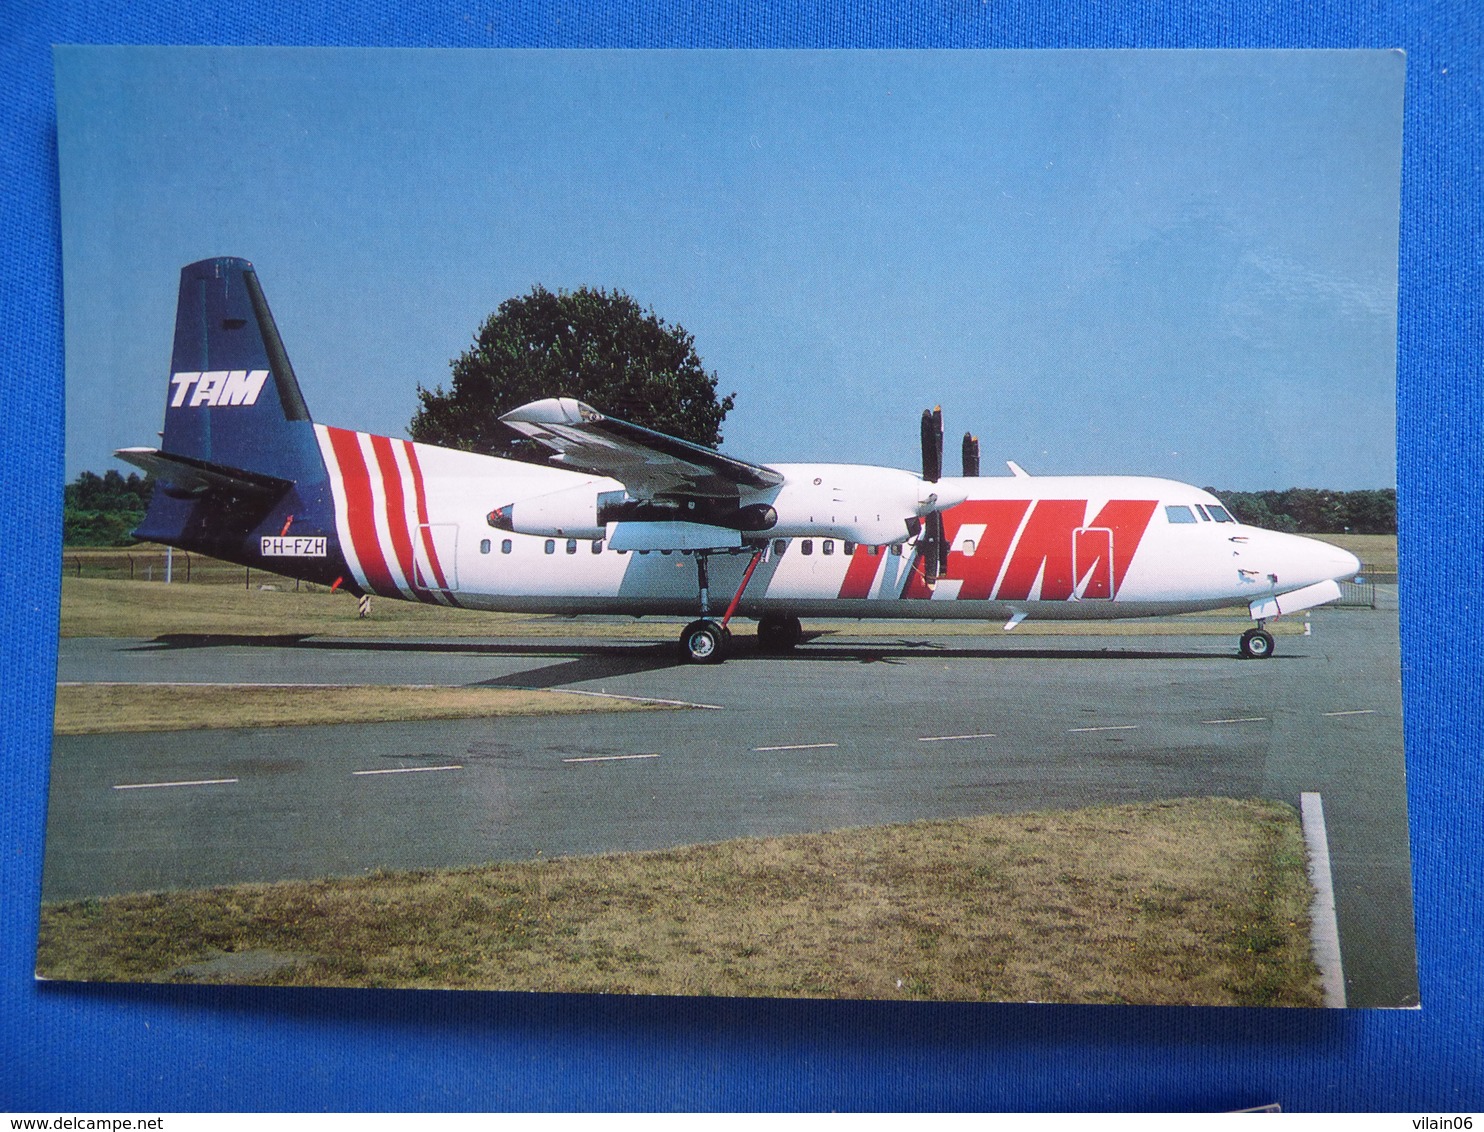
(413, 523)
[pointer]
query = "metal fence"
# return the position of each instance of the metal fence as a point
(153, 564)
(1360, 592)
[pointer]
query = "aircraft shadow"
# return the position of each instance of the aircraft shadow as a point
(605, 658)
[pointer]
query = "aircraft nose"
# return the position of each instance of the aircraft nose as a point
(1335, 562)
(1346, 565)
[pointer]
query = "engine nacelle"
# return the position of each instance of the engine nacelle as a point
(569, 513)
(859, 503)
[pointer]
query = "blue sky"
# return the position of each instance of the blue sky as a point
(1150, 262)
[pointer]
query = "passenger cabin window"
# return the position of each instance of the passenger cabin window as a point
(829, 546)
(597, 546)
(896, 550)
(484, 546)
(551, 546)
(806, 546)
(848, 548)
(1220, 514)
(1179, 513)
(780, 545)
(506, 546)
(571, 546)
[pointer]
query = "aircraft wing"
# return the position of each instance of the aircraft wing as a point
(649, 464)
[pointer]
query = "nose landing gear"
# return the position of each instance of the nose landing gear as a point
(1256, 644)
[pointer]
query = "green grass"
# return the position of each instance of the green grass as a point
(1191, 901)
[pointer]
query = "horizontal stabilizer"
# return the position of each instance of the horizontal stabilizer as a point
(186, 475)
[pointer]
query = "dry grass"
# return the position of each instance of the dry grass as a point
(1377, 552)
(96, 607)
(1191, 901)
(97, 709)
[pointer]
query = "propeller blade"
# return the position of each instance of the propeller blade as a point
(971, 455)
(932, 548)
(932, 444)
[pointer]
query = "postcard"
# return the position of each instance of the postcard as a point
(884, 525)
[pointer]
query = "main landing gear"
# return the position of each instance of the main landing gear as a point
(706, 641)
(1256, 644)
(778, 632)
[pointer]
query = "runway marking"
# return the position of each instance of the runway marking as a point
(1120, 727)
(797, 747)
(951, 738)
(161, 785)
(1324, 929)
(1243, 719)
(608, 758)
(410, 769)
(1361, 711)
(616, 696)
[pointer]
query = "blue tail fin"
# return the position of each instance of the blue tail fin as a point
(238, 460)
(233, 399)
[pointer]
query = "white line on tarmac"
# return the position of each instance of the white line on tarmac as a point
(609, 758)
(950, 738)
(159, 785)
(797, 747)
(1361, 711)
(1324, 929)
(616, 696)
(1243, 719)
(410, 769)
(1121, 727)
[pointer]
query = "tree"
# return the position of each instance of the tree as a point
(595, 345)
(102, 510)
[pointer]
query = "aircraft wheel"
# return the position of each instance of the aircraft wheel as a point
(704, 642)
(776, 633)
(1257, 644)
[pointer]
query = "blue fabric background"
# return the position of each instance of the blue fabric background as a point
(146, 1048)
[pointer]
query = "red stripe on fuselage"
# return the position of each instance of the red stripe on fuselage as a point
(360, 510)
(1044, 550)
(862, 572)
(396, 507)
(1001, 519)
(1128, 519)
(422, 518)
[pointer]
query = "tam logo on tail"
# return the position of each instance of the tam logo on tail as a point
(218, 387)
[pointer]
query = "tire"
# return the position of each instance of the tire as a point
(704, 642)
(1257, 644)
(776, 633)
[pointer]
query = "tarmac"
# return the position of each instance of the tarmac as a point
(846, 731)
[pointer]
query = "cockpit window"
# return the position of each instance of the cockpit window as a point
(1201, 511)
(1179, 513)
(1220, 514)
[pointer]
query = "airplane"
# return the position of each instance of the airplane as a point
(626, 520)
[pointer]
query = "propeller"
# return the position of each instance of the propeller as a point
(932, 547)
(932, 444)
(971, 455)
